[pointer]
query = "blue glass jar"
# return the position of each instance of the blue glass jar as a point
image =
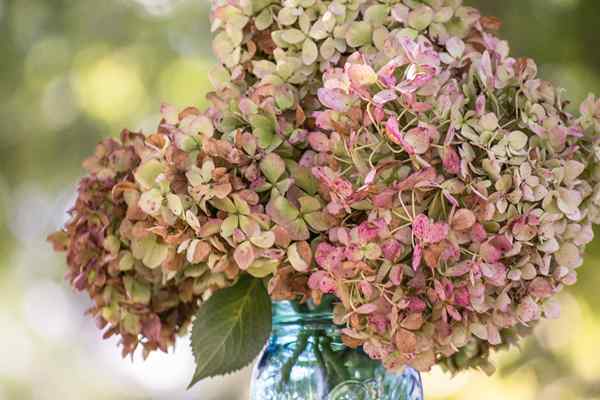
(305, 359)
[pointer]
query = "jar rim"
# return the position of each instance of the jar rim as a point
(293, 312)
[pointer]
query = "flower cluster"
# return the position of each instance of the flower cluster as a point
(165, 219)
(473, 192)
(389, 153)
(127, 250)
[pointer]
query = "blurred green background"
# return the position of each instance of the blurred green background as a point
(73, 72)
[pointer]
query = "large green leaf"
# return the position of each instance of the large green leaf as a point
(231, 329)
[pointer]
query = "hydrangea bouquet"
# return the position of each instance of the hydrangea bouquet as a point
(390, 154)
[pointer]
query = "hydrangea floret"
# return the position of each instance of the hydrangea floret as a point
(390, 154)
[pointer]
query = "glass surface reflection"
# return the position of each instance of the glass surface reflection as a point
(305, 359)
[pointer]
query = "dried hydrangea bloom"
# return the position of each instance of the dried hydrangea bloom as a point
(469, 196)
(288, 45)
(163, 220)
(123, 258)
(392, 154)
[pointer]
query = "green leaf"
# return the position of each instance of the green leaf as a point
(138, 292)
(224, 205)
(264, 130)
(147, 173)
(359, 34)
(309, 204)
(303, 178)
(319, 221)
(284, 97)
(297, 229)
(229, 225)
(281, 210)
(231, 329)
(264, 19)
(310, 52)
(293, 36)
(262, 268)
(272, 166)
(376, 14)
(175, 204)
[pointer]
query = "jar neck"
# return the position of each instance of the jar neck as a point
(308, 323)
(293, 313)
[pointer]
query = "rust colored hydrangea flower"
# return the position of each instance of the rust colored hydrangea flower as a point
(160, 224)
(391, 154)
(163, 220)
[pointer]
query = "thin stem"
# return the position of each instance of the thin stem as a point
(286, 370)
(333, 361)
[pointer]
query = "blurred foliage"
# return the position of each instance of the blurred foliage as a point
(73, 72)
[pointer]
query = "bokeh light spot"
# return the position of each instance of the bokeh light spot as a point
(110, 89)
(185, 82)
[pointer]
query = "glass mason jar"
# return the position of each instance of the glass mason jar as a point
(305, 359)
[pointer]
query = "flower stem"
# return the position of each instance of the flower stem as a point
(286, 370)
(334, 362)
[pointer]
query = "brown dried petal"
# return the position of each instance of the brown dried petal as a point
(406, 341)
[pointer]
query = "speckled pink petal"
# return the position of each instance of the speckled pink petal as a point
(451, 160)
(327, 285)
(478, 233)
(489, 253)
(437, 232)
(385, 96)
(417, 305)
(319, 141)
(387, 72)
(480, 105)
(541, 288)
(366, 309)
(396, 275)
(462, 297)
(420, 226)
(417, 257)
(528, 310)
(335, 99)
